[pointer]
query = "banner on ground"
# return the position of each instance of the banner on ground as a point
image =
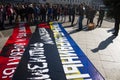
(13, 50)
(53, 55)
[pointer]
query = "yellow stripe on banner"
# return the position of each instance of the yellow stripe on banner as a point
(50, 23)
(71, 75)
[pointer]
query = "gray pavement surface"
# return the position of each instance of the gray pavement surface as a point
(99, 46)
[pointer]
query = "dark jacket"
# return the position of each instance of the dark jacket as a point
(81, 12)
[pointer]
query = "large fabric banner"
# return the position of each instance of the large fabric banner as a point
(41, 59)
(13, 50)
(75, 63)
(53, 55)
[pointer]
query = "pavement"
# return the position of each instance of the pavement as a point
(99, 46)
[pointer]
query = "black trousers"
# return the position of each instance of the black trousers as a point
(1, 24)
(73, 18)
(116, 28)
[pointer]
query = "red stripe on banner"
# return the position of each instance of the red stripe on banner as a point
(43, 25)
(13, 50)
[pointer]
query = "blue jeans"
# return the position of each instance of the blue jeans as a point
(80, 25)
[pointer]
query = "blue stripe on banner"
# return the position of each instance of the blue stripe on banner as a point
(88, 67)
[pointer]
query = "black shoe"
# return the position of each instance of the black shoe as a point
(96, 25)
(71, 24)
(115, 34)
(99, 26)
(2, 28)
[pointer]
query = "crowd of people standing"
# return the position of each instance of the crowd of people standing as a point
(33, 13)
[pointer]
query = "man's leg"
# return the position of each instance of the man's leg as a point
(116, 27)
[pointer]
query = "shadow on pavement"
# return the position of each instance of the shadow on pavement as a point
(74, 31)
(110, 20)
(104, 44)
(67, 26)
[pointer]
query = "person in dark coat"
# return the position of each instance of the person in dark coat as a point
(2, 16)
(72, 15)
(91, 15)
(36, 13)
(49, 13)
(81, 16)
(69, 12)
(55, 13)
(10, 13)
(22, 12)
(17, 12)
(87, 13)
(100, 18)
(43, 13)
(30, 13)
(116, 13)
